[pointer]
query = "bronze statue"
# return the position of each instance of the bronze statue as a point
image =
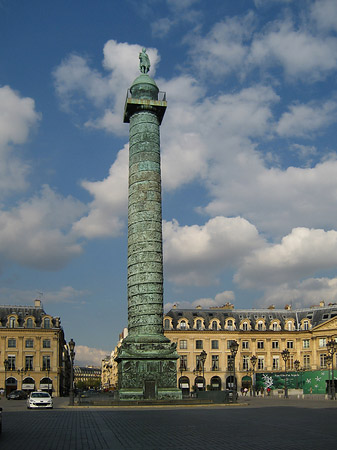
(144, 61)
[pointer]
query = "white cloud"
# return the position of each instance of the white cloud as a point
(66, 294)
(89, 356)
(300, 254)
(195, 255)
(304, 293)
(37, 233)
(304, 120)
(219, 300)
(324, 14)
(109, 207)
(17, 117)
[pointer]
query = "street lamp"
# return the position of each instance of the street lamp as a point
(328, 362)
(202, 357)
(285, 356)
(234, 346)
(253, 361)
(6, 364)
(297, 368)
(71, 346)
(332, 349)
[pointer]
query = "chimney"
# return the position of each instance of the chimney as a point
(37, 303)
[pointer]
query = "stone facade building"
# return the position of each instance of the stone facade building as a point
(262, 333)
(33, 353)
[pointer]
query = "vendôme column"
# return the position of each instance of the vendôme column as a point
(146, 358)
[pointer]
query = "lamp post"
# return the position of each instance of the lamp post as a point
(332, 349)
(234, 346)
(328, 362)
(71, 346)
(297, 368)
(285, 356)
(6, 364)
(203, 356)
(253, 361)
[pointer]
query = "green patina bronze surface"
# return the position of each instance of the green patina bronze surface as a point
(146, 358)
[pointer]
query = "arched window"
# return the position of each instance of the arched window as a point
(289, 326)
(46, 322)
(230, 325)
(198, 324)
(183, 325)
(245, 326)
(12, 322)
(275, 326)
(167, 324)
(214, 325)
(260, 325)
(29, 323)
(306, 325)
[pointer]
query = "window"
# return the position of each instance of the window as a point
(29, 363)
(11, 343)
(214, 325)
(215, 345)
(290, 362)
(167, 324)
(274, 344)
(306, 361)
(198, 324)
(322, 342)
(12, 322)
(289, 326)
(245, 345)
(183, 362)
(245, 326)
(47, 322)
(29, 343)
(306, 343)
(276, 362)
(183, 325)
(260, 325)
(322, 359)
(290, 344)
(198, 363)
(275, 326)
(11, 362)
(260, 344)
(305, 325)
(198, 345)
(230, 365)
(245, 362)
(29, 323)
(215, 362)
(46, 363)
(230, 325)
(229, 343)
(260, 362)
(46, 343)
(183, 344)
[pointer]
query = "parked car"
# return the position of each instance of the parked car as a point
(17, 395)
(0, 420)
(39, 399)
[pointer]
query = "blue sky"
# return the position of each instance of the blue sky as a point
(248, 144)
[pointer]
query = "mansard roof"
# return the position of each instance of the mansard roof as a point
(316, 315)
(22, 312)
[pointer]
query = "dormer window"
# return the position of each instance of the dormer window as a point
(12, 322)
(183, 325)
(289, 326)
(275, 326)
(167, 324)
(29, 323)
(305, 325)
(198, 324)
(245, 326)
(214, 325)
(260, 325)
(46, 322)
(230, 325)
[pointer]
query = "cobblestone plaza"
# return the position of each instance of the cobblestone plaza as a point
(258, 423)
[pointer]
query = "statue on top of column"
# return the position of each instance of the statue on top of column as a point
(144, 61)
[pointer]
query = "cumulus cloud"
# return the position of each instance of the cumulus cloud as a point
(66, 294)
(301, 254)
(17, 118)
(108, 209)
(195, 255)
(219, 300)
(89, 356)
(304, 120)
(324, 14)
(77, 83)
(37, 234)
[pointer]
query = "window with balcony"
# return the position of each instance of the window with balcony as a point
(11, 362)
(322, 359)
(245, 362)
(29, 363)
(290, 362)
(183, 362)
(215, 362)
(276, 362)
(230, 363)
(306, 361)
(46, 363)
(260, 362)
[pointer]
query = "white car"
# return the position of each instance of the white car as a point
(39, 399)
